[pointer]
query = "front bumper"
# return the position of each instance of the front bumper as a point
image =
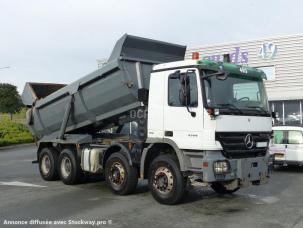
(287, 162)
(245, 170)
(282, 161)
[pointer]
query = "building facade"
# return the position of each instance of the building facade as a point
(281, 58)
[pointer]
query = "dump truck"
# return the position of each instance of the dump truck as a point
(150, 114)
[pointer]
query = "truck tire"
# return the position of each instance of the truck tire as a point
(121, 177)
(165, 180)
(220, 189)
(48, 164)
(69, 167)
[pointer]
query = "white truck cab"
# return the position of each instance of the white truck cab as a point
(223, 125)
(237, 101)
(287, 145)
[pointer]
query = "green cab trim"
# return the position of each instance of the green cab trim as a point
(231, 68)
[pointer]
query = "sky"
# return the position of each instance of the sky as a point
(59, 41)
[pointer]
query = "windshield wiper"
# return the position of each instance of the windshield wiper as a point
(260, 109)
(232, 107)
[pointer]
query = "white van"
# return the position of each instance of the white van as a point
(287, 145)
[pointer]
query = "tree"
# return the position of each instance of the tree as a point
(10, 100)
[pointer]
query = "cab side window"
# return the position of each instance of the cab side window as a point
(175, 90)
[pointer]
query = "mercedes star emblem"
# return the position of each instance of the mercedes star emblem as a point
(249, 142)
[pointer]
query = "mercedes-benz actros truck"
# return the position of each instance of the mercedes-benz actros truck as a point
(150, 114)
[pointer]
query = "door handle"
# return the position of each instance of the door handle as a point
(169, 133)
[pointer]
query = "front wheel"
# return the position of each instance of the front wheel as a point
(121, 177)
(222, 190)
(166, 183)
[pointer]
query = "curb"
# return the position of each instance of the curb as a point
(17, 146)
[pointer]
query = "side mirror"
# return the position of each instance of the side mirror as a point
(184, 94)
(274, 115)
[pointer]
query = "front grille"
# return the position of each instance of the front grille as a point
(234, 146)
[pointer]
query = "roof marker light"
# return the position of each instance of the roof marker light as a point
(195, 55)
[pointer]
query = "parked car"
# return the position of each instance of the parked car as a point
(287, 146)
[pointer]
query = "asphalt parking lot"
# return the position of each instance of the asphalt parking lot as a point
(24, 196)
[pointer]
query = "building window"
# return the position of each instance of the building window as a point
(277, 107)
(287, 112)
(292, 112)
(270, 72)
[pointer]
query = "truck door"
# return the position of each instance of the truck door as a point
(294, 146)
(183, 124)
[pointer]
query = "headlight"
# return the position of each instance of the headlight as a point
(221, 167)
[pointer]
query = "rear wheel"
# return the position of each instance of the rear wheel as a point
(222, 190)
(48, 164)
(69, 167)
(121, 177)
(166, 183)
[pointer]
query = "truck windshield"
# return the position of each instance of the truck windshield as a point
(236, 95)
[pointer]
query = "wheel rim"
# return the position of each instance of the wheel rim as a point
(117, 174)
(45, 165)
(66, 167)
(163, 180)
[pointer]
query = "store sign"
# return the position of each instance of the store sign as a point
(268, 51)
(236, 57)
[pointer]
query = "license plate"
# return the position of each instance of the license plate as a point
(279, 156)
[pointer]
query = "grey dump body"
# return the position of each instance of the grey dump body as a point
(102, 97)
